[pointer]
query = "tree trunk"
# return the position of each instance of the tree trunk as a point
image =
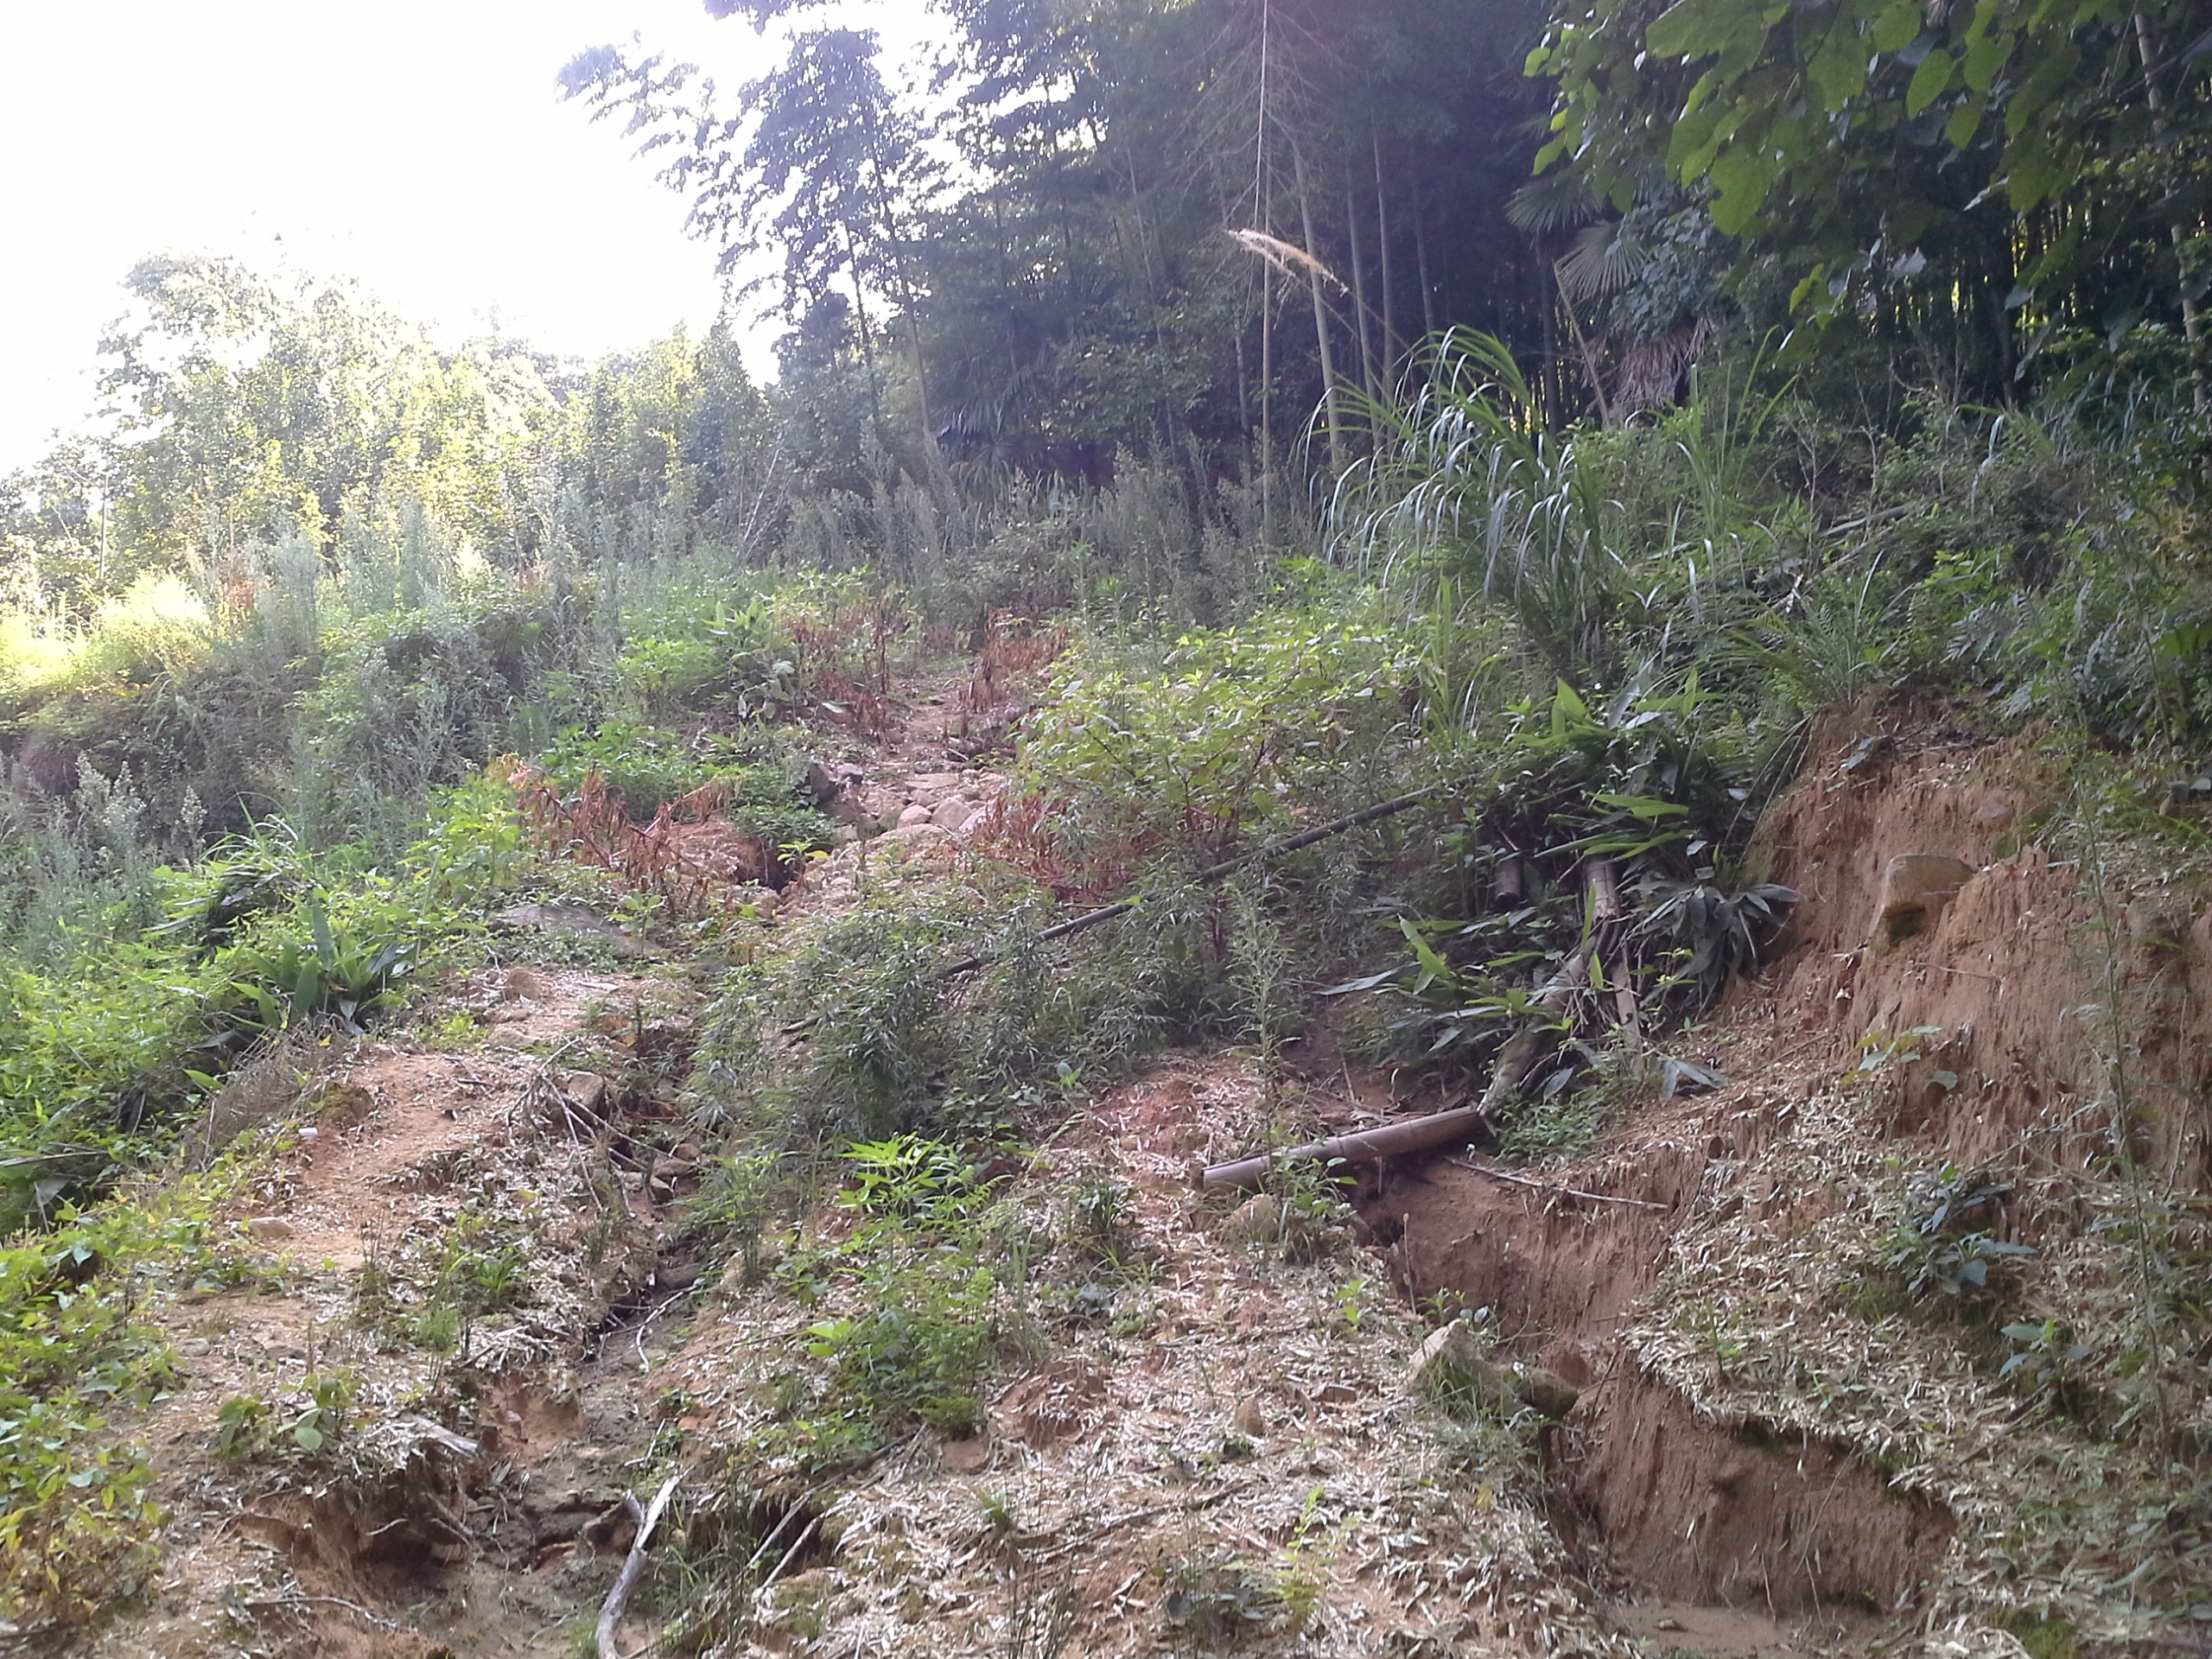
(1391, 345)
(1359, 295)
(899, 275)
(2192, 321)
(1421, 261)
(867, 338)
(1320, 318)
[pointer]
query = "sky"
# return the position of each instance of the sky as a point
(421, 146)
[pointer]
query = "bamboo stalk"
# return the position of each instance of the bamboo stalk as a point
(1366, 1147)
(1320, 320)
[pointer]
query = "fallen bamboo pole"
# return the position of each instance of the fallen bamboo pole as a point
(1205, 878)
(1216, 872)
(1366, 1147)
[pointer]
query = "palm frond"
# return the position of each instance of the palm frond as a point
(1554, 202)
(1602, 259)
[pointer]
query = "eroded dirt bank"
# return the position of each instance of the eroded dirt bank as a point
(1767, 1421)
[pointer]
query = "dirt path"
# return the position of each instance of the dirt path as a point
(489, 1409)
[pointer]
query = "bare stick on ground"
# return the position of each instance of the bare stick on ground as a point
(610, 1612)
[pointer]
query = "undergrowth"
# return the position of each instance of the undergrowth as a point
(79, 1347)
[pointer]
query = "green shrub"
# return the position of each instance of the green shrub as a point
(78, 1522)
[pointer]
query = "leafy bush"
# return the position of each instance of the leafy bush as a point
(78, 1522)
(923, 1270)
(892, 1042)
(1215, 739)
(87, 1059)
(748, 771)
(281, 979)
(695, 649)
(1608, 843)
(1934, 1251)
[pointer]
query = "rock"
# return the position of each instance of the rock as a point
(422, 1429)
(587, 1088)
(1449, 1365)
(955, 814)
(1257, 1221)
(1248, 1420)
(1544, 1391)
(1093, 1301)
(914, 815)
(1915, 888)
(966, 1457)
(763, 901)
(269, 1227)
(193, 1347)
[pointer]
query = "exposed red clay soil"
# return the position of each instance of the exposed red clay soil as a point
(1694, 1510)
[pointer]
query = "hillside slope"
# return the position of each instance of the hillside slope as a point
(1792, 1413)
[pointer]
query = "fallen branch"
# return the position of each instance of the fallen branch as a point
(797, 1544)
(610, 1612)
(294, 1604)
(1547, 1009)
(1214, 873)
(1546, 1186)
(1520, 1050)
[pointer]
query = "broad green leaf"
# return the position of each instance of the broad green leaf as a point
(2034, 178)
(1897, 27)
(1647, 807)
(1985, 59)
(1742, 177)
(1838, 71)
(1903, 225)
(1569, 712)
(1965, 121)
(1929, 81)
(1682, 29)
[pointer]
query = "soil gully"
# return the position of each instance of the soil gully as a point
(1679, 1508)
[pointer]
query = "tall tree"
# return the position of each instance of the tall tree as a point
(2041, 159)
